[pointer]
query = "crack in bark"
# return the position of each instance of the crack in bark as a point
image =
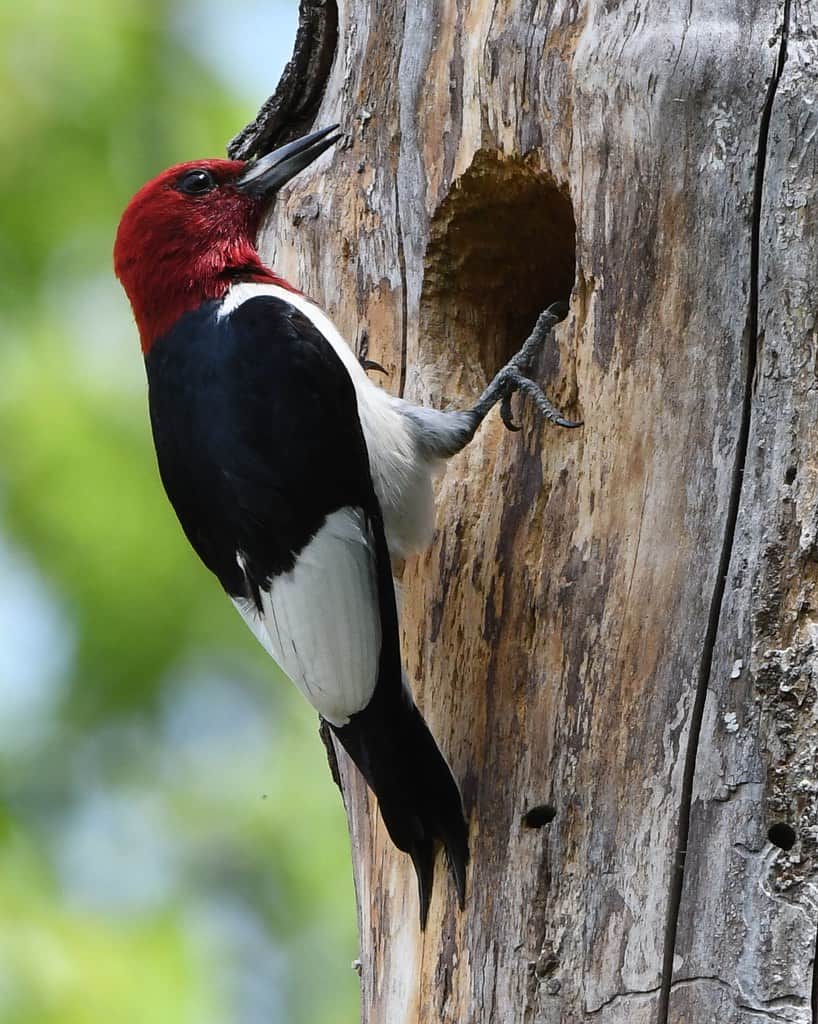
(619, 996)
(404, 308)
(401, 250)
(711, 635)
(814, 995)
(680, 983)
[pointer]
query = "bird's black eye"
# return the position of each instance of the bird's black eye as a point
(197, 182)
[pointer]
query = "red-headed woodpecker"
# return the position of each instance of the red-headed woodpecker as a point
(293, 475)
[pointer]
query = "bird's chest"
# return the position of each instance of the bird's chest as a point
(217, 456)
(198, 426)
(249, 466)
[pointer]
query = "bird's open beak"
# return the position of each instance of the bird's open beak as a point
(275, 169)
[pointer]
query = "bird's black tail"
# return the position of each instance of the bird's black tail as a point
(418, 797)
(397, 755)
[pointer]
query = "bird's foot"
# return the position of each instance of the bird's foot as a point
(512, 378)
(513, 382)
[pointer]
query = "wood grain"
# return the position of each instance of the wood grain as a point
(569, 613)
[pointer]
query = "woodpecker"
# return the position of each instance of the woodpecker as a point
(295, 478)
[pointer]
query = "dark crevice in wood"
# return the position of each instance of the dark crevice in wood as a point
(537, 817)
(291, 110)
(814, 996)
(714, 617)
(404, 308)
(325, 733)
(782, 835)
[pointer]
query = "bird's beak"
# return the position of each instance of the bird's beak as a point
(275, 169)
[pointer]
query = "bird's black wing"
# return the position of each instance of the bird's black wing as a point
(261, 452)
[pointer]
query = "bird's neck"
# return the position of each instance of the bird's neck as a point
(171, 289)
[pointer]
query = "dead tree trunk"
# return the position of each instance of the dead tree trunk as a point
(615, 635)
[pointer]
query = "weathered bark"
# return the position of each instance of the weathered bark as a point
(621, 623)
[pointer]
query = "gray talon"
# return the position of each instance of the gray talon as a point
(515, 381)
(506, 415)
(558, 310)
(370, 364)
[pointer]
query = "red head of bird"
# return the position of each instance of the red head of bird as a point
(190, 233)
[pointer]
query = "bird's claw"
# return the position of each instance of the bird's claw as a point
(516, 381)
(506, 414)
(558, 310)
(370, 364)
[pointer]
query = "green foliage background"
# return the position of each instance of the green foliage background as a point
(172, 848)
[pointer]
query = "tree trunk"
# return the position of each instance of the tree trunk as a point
(614, 636)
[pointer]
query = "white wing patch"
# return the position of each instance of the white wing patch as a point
(321, 622)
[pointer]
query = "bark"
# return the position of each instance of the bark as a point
(614, 636)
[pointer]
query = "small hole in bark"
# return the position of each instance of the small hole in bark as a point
(536, 817)
(789, 476)
(782, 835)
(502, 248)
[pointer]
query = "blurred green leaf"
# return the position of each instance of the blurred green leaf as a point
(64, 967)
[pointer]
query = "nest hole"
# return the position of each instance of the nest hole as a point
(502, 248)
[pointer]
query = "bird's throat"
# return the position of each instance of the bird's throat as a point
(173, 294)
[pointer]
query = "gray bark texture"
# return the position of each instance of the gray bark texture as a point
(614, 636)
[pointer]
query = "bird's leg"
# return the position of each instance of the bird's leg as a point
(513, 377)
(443, 434)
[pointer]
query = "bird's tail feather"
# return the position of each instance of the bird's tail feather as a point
(417, 794)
